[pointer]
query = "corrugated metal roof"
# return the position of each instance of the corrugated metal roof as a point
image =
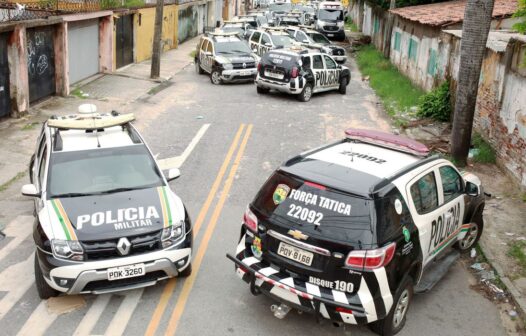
(443, 13)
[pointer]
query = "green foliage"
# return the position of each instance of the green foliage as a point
(436, 104)
(395, 90)
(350, 25)
(112, 4)
(484, 153)
(134, 3)
(516, 251)
(521, 13)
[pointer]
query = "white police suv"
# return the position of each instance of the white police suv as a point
(351, 230)
(106, 218)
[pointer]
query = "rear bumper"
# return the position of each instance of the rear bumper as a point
(278, 86)
(360, 308)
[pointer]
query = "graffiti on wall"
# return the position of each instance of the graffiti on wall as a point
(188, 23)
(40, 62)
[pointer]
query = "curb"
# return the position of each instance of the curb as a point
(512, 289)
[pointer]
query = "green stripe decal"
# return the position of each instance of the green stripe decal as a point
(167, 206)
(61, 220)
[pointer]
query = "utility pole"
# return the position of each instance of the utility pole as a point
(475, 30)
(157, 36)
(389, 29)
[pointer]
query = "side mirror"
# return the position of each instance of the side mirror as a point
(173, 174)
(30, 190)
(315, 17)
(268, 44)
(472, 189)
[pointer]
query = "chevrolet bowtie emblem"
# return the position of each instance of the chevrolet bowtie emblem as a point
(298, 234)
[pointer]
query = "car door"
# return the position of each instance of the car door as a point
(332, 71)
(318, 72)
(203, 58)
(209, 55)
(41, 174)
(254, 42)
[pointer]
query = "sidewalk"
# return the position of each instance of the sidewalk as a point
(116, 91)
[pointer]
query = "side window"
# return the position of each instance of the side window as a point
(42, 168)
(255, 37)
(317, 62)
(451, 183)
(424, 193)
(265, 39)
(302, 37)
(329, 62)
(306, 62)
(210, 47)
(203, 45)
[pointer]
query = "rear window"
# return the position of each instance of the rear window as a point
(280, 59)
(314, 208)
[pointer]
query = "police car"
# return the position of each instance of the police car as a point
(351, 230)
(289, 20)
(225, 57)
(313, 39)
(301, 72)
(106, 218)
(268, 38)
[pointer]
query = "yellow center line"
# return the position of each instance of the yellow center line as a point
(189, 282)
(170, 286)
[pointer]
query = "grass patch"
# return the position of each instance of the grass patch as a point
(193, 53)
(30, 126)
(484, 153)
(6, 185)
(78, 93)
(395, 90)
(516, 250)
(436, 104)
(350, 25)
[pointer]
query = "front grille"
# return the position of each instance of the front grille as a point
(106, 284)
(330, 28)
(248, 65)
(107, 249)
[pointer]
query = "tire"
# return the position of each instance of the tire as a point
(395, 320)
(186, 272)
(215, 77)
(306, 94)
(198, 68)
(262, 90)
(343, 86)
(473, 235)
(44, 290)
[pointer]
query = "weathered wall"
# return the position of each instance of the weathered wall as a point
(144, 23)
(356, 12)
(188, 26)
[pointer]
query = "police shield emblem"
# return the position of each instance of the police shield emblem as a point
(281, 192)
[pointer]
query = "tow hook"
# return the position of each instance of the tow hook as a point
(280, 311)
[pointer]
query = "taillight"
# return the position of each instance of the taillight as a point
(371, 259)
(294, 72)
(259, 66)
(251, 221)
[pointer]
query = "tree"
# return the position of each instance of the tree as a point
(521, 13)
(155, 70)
(475, 30)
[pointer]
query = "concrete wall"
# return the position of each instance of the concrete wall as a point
(144, 23)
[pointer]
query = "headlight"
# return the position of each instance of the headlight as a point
(339, 23)
(328, 51)
(228, 66)
(172, 234)
(67, 249)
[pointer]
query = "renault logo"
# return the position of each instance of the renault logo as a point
(123, 246)
(244, 65)
(298, 234)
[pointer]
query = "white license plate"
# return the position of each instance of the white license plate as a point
(272, 74)
(245, 73)
(330, 35)
(295, 254)
(124, 272)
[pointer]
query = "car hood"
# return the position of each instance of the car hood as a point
(113, 215)
(239, 58)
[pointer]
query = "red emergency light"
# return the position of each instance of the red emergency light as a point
(388, 140)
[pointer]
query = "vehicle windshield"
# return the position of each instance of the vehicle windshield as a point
(281, 40)
(232, 47)
(319, 38)
(293, 202)
(330, 14)
(285, 7)
(99, 171)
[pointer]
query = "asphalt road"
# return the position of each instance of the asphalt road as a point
(247, 138)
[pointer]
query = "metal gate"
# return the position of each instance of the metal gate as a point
(40, 63)
(5, 101)
(124, 40)
(83, 49)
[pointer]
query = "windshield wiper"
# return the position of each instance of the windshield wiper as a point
(67, 195)
(116, 190)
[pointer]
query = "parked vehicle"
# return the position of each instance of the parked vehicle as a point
(330, 19)
(301, 72)
(225, 57)
(263, 40)
(106, 218)
(313, 39)
(350, 231)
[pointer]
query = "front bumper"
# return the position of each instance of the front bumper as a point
(238, 75)
(278, 86)
(340, 59)
(92, 276)
(360, 308)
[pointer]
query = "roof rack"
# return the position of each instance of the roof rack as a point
(90, 121)
(388, 140)
(274, 28)
(222, 33)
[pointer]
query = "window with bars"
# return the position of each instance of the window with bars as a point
(432, 62)
(413, 49)
(397, 41)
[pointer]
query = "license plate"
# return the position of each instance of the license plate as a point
(124, 272)
(296, 254)
(272, 74)
(330, 35)
(245, 73)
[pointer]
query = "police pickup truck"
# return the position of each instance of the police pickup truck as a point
(106, 218)
(349, 231)
(300, 71)
(225, 57)
(313, 39)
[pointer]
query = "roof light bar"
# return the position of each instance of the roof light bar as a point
(388, 140)
(91, 121)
